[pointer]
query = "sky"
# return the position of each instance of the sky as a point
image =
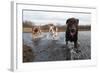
(45, 17)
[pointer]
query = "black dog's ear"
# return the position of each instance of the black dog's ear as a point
(67, 21)
(77, 21)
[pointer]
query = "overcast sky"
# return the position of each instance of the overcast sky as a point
(42, 17)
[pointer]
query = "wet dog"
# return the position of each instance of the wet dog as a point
(72, 36)
(53, 31)
(36, 31)
(72, 31)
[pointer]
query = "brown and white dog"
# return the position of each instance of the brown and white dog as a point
(36, 31)
(53, 31)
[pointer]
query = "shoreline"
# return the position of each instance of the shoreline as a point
(29, 30)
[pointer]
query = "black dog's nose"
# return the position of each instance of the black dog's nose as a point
(72, 30)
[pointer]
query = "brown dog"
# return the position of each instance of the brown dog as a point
(36, 31)
(72, 31)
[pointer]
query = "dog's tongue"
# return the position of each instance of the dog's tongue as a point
(72, 34)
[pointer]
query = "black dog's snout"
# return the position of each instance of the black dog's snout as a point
(72, 30)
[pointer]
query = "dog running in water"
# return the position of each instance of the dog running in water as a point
(72, 36)
(53, 31)
(72, 31)
(36, 31)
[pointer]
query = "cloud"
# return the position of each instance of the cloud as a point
(41, 17)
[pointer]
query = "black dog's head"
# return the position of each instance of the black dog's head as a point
(72, 26)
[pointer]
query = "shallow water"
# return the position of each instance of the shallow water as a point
(47, 49)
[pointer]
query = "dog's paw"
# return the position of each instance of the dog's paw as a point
(78, 51)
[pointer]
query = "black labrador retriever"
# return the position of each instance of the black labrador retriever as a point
(72, 31)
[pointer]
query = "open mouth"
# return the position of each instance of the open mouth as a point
(72, 32)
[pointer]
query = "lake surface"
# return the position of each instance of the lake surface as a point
(48, 49)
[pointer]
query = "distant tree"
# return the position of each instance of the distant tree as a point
(28, 24)
(50, 24)
(84, 27)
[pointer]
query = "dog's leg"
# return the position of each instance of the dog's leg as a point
(66, 43)
(75, 44)
(72, 53)
(68, 54)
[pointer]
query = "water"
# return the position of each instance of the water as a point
(46, 37)
(47, 49)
